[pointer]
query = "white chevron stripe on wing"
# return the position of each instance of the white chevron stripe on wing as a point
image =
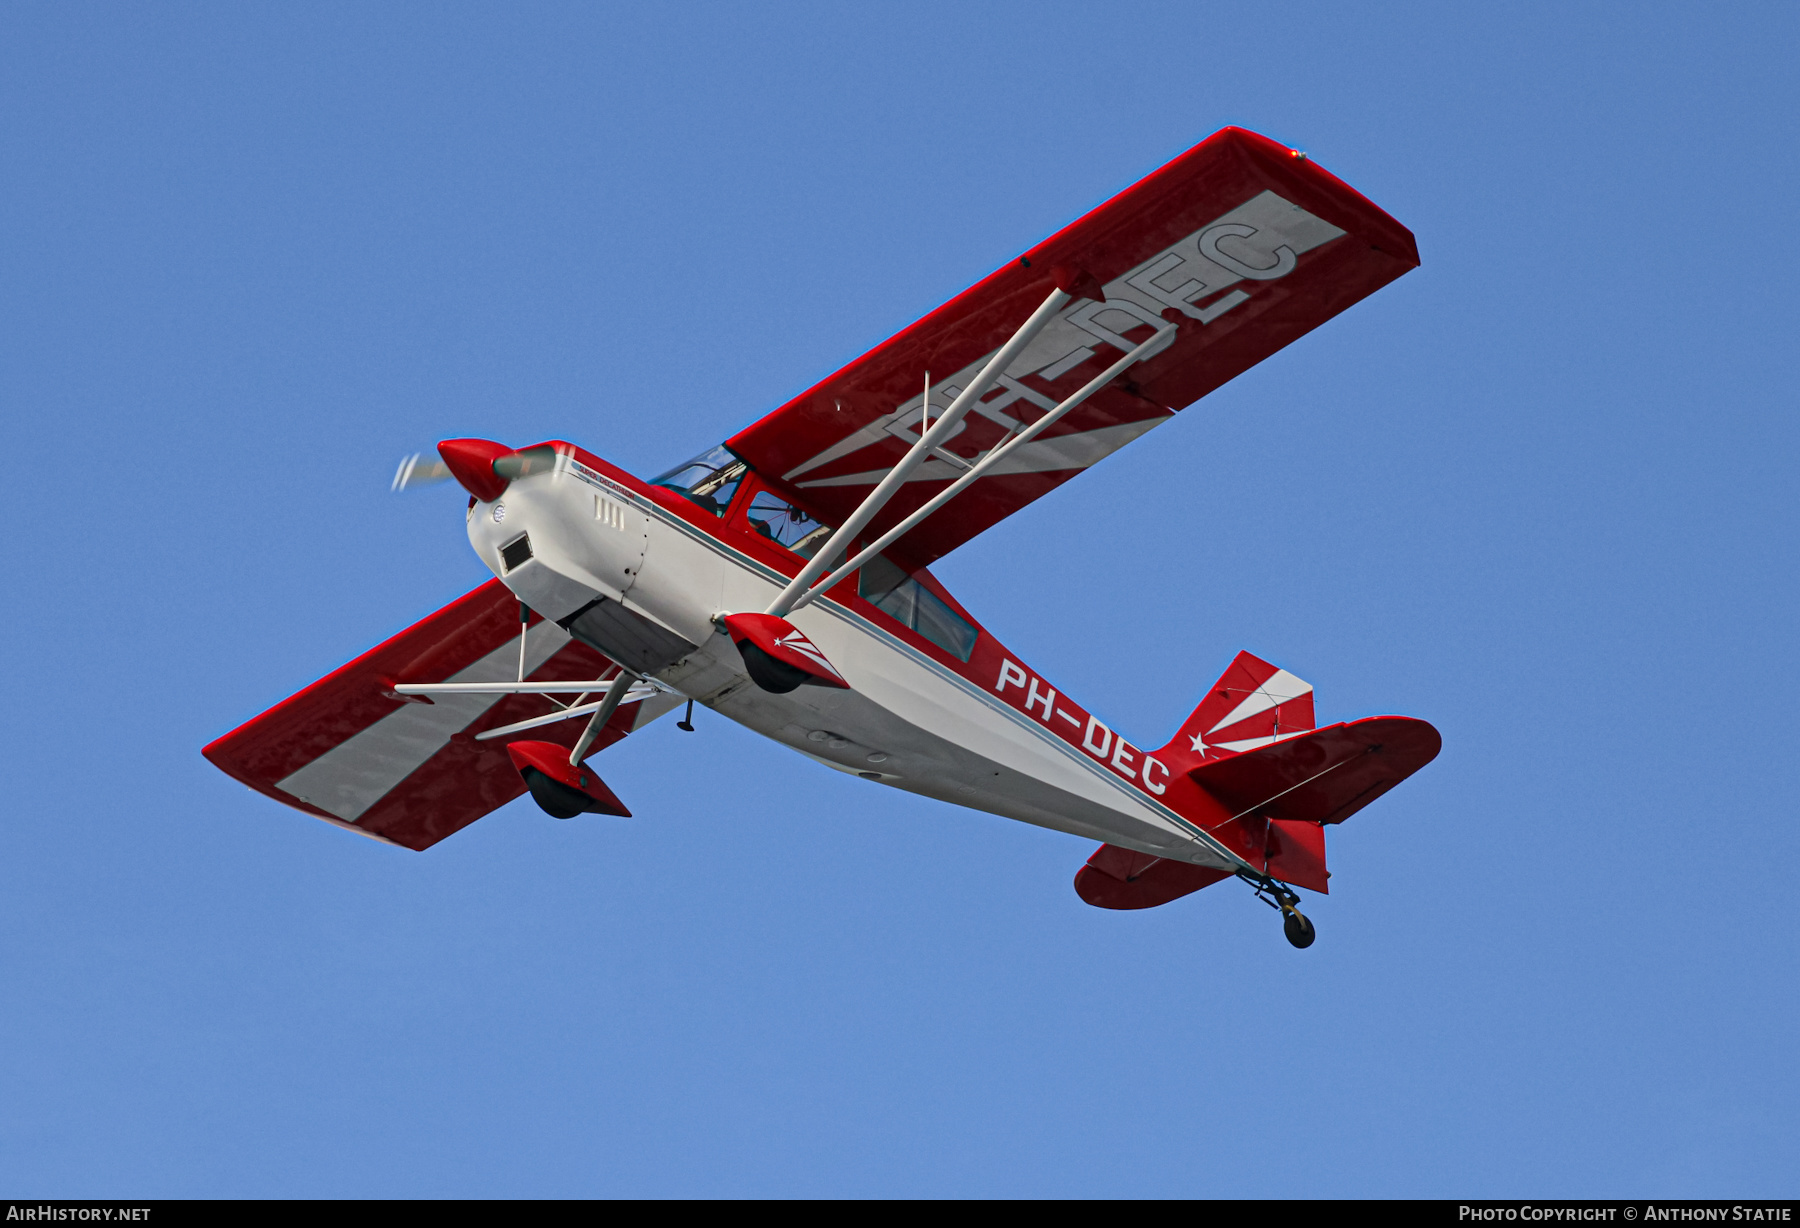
(359, 771)
(1074, 451)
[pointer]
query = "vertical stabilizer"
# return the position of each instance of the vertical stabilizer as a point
(1252, 704)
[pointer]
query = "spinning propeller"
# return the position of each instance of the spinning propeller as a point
(483, 467)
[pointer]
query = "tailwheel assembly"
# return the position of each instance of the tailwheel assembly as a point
(1278, 895)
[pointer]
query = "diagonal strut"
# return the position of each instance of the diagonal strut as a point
(896, 477)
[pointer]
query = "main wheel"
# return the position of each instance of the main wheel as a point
(556, 799)
(775, 677)
(1298, 929)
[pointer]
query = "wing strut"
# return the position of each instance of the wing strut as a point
(615, 695)
(503, 688)
(562, 714)
(928, 440)
(994, 456)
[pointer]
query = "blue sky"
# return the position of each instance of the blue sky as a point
(1539, 492)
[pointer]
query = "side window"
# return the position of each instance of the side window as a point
(708, 480)
(911, 604)
(784, 524)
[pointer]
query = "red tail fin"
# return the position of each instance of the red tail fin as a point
(1252, 704)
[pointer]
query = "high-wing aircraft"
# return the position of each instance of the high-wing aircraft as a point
(783, 578)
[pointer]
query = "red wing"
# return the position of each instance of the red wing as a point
(1241, 242)
(349, 750)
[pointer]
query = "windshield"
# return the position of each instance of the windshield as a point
(783, 523)
(709, 480)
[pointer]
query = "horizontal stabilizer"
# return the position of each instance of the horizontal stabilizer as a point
(1116, 877)
(1324, 776)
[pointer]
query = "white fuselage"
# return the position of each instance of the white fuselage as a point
(908, 721)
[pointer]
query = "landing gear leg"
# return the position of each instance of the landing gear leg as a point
(1277, 895)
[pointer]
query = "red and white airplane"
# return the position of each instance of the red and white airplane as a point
(782, 579)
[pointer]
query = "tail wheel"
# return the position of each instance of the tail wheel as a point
(1298, 929)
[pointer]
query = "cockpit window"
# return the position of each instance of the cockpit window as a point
(910, 603)
(709, 480)
(783, 523)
